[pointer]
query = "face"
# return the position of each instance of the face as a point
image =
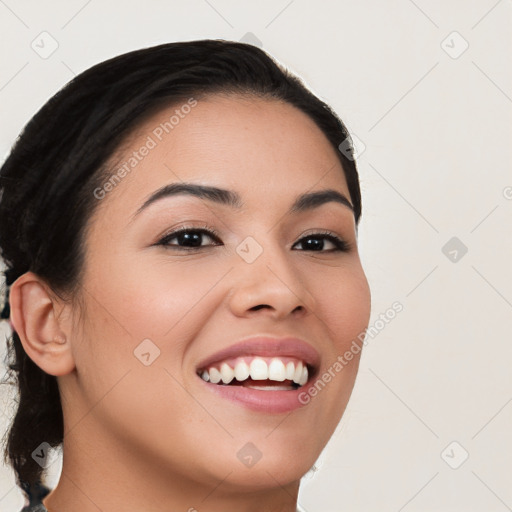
(160, 309)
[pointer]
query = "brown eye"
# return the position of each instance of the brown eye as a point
(188, 238)
(316, 242)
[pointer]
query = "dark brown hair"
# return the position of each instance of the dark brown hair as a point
(47, 184)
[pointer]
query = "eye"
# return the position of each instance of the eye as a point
(316, 241)
(189, 238)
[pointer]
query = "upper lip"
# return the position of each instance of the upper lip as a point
(266, 346)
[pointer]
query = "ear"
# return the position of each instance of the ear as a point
(36, 315)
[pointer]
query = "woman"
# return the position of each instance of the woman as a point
(179, 226)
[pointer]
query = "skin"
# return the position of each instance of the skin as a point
(153, 437)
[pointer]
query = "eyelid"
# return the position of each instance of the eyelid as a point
(340, 243)
(189, 227)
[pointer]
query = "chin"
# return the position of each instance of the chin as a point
(266, 462)
(281, 471)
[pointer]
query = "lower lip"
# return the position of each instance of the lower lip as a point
(274, 402)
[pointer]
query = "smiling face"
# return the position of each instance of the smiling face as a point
(160, 308)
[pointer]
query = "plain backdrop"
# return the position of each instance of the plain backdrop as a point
(425, 89)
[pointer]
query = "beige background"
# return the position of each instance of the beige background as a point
(426, 89)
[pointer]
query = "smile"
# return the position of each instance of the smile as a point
(272, 374)
(263, 374)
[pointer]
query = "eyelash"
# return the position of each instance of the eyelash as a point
(340, 245)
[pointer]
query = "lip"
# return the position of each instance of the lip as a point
(266, 347)
(256, 399)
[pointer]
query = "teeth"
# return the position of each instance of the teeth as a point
(297, 375)
(227, 373)
(259, 370)
(304, 377)
(242, 371)
(215, 376)
(277, 370)
(290, 371)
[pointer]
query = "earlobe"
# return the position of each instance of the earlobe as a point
(35, 318)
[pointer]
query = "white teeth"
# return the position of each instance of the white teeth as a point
(259, 370)
(242, 371)
(276, 370)
(215, 376)
(227, 373)
(304, 377)
(290, 370)
(298, 373)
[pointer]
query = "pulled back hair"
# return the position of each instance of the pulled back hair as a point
(47, 185)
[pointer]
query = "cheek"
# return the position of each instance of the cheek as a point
(153, 301)
(172, 295)
(136, 400)
(343, 307)
(344, 304)
(153, 312)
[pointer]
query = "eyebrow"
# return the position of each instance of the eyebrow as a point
(302, 203)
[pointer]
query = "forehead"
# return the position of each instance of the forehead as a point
(265, 149)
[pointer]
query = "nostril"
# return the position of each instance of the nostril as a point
(256, 308)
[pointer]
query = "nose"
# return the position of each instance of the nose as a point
(270, 283)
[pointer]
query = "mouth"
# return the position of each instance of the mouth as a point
(262, 374)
